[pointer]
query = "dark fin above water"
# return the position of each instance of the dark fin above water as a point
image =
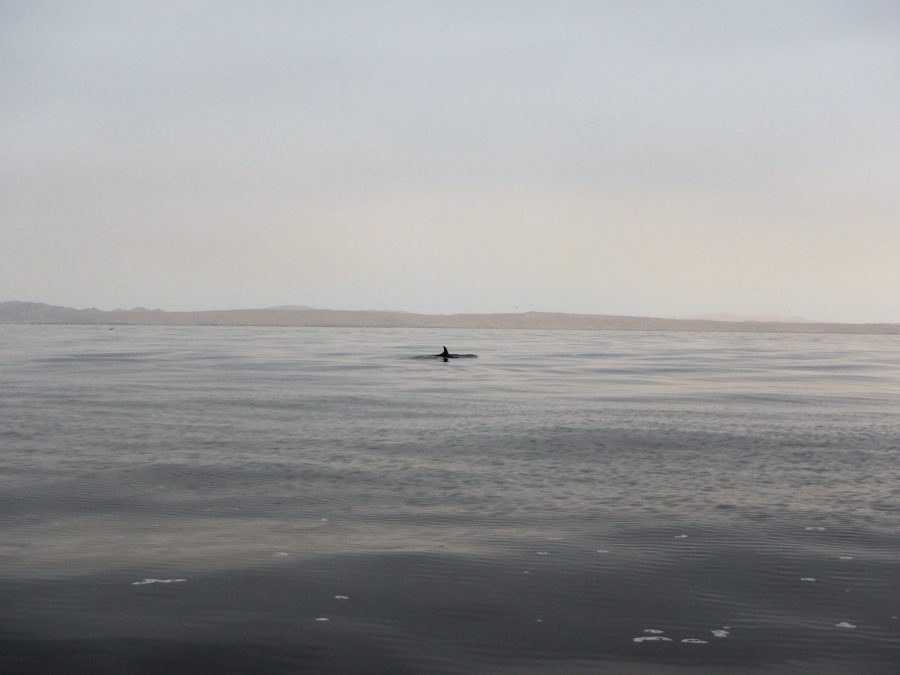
(445, 355)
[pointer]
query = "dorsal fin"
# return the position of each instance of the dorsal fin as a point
(445, 352)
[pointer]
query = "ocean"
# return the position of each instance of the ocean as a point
(317, 500)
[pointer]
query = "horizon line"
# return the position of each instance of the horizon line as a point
(715, 317)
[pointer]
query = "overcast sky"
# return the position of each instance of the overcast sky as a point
(668, 158)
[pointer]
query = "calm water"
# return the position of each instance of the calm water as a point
(262, 500)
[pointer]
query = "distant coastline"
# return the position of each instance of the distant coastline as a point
(38, 313)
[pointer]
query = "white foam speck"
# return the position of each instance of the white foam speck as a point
(543, 553)
(654, 638)
(539, 620)
(695, 641)
(602, 550)
(720, 633)
(323, 618)
(342, 597)
(655, 631)
(157, 581)
(814, 528)
(280, 554)
(894, 618)
(681, 536)
(807, 579)
(324, 520)
(844, 624)
(526, 571)
(554, 538)
(845, 557)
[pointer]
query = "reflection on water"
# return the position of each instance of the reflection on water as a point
(284, 500)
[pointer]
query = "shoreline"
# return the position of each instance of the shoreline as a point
(22, 313)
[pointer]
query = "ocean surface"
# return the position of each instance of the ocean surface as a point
(299, 500)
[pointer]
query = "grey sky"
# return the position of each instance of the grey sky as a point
(663, 158)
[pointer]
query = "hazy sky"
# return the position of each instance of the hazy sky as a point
(654, 157)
